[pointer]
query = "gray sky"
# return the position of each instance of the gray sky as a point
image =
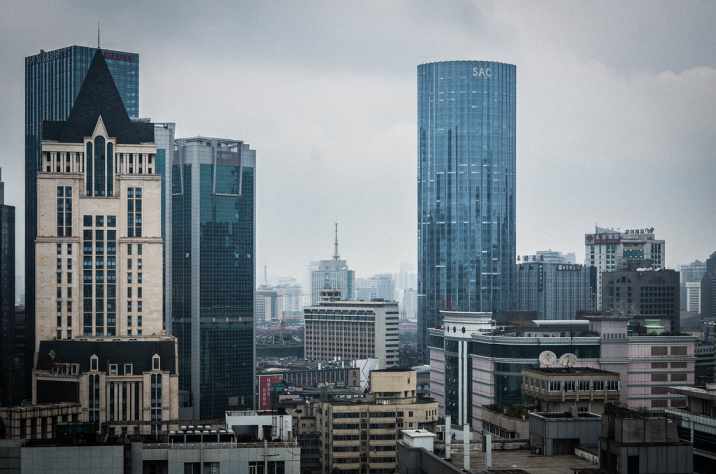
(616, 110)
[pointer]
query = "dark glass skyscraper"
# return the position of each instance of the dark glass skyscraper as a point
(213, 250)
(52, 82)
(8, 374)
(466, 189)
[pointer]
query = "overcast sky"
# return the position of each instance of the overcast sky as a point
(616, 109)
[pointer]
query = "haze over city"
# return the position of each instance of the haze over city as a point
(615, 111)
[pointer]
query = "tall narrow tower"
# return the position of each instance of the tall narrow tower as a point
(466, 189)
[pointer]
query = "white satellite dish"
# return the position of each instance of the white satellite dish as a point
(547, 359)
(568, 360)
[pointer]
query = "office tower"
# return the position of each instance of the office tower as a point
(693, 296)
(213, 268)
(164, 142)
(352, 330)
(332, 274)
(266, 304)
(99, 280)
(708, 289)
(409, 304)
(380, 286)
(610, 250)
(466, 189)
(554, 288)
(10, 393)
(648, 295)
(52, 82)
(691, 273)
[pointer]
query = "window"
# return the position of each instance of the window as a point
(678, 377)
(659, 377)
(128, 369)
(211, 468)
(134, 212)
(598, 385)
(659, 350)
(64, 211)
(612, 385)
(155, 362)
(113, 369)
(583, 385)
(678, 350)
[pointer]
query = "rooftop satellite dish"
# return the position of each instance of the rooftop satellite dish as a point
(568, 360)
(547, 359)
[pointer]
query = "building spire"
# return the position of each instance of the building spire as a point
(335, 245)
(99, 44)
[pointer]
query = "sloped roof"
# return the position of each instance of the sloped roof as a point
(138, 352)
(98, 96)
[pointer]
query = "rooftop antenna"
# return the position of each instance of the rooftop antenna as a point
(266, 275)
(335, 245)
(99, 45)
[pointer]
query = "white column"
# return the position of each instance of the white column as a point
(459, 383)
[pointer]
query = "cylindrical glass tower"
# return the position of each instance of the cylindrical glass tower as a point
(466, 189)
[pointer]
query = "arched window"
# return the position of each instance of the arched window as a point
(156, 363)
(110, 169)
(100, 187)
(89, 186)
(94, 362)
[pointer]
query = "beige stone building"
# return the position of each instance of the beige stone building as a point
(99, 279)
(360, 436)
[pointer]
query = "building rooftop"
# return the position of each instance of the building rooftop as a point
(518, 461)
(704, 393)
(98, 97)
(418, 433)
(570, 371)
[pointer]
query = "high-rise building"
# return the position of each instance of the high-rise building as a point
(10, 393)
(691, 273)
(466, 189)
(99, 281)
(708, 289)
(333, 274)
(380, 286)
(554, 288)
(213, 268)
(693, 296)
(266, 304)
(352, 330)
(610, 250)
(164, 141)
(52, 82)
(648, 295)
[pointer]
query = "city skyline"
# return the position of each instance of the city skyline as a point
(651, 105)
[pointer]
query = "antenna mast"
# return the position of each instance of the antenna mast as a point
(335, 245)
(99, 45)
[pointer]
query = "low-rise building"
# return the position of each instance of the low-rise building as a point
(255, 446)
(640, 442)
(569, 389)
(554, 434)
(361, 435)
(697, 423)
(123, 385)
(27, 422)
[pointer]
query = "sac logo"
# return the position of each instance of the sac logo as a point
(481, 72)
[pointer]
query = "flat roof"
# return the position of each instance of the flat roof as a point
(570, 371)
(695, 392)
(418, 433)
